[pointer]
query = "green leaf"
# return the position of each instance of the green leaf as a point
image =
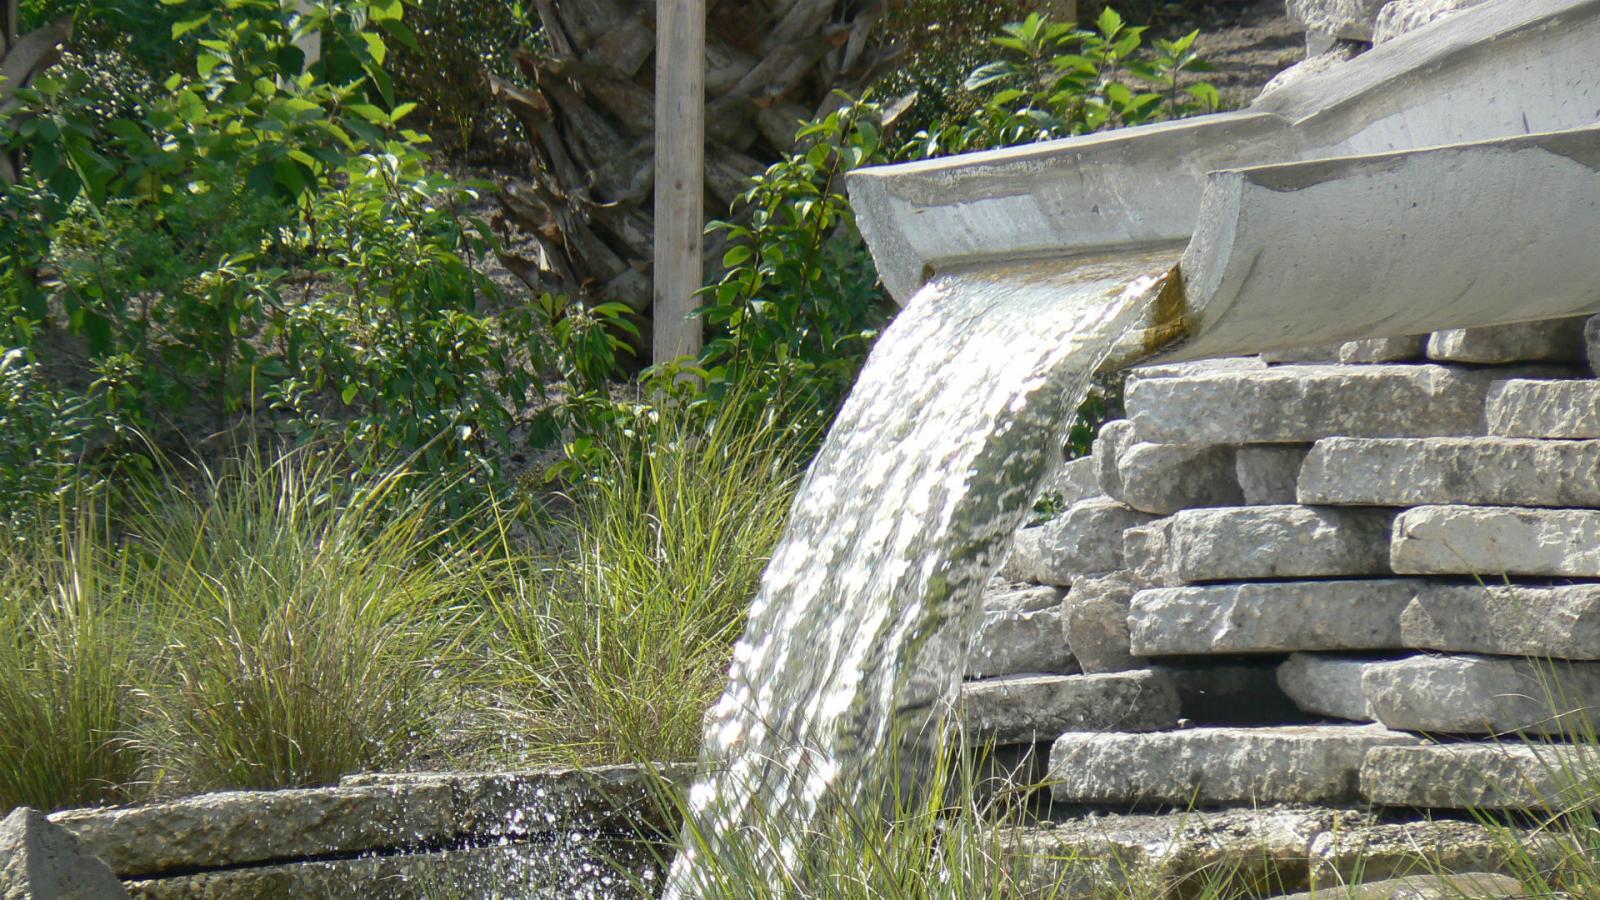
(348, 395)
(179, 29)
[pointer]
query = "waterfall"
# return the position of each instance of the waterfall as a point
(853, 652)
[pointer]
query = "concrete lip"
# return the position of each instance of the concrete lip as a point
(1347, 204)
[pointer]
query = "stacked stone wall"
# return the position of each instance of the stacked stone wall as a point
(1349, 575)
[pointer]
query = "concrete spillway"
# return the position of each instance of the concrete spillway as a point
(1448, 178)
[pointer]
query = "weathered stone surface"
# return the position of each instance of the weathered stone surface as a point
(1496, 541)
(1247, 542)
(42, 861)
(1327, 685)
(1481, 694)
(214, 830)
(1323, 52)
(1027, 709)
(1164, 478)
(1108, 444)
(1465, 886)
(1490, 471)
(1295, 764)
(1591, 340)
(1552, 340)
(1560, 622)
(1268, 473)
(1272, 617)
(1384, 350)
(516, 804)
(1300, 404)
(582, 866)
(1501, 775)
(1318, 353)
(1370, 852)
(1400, 16)
(1074, 482)
(1097, 622)
(1146, 551)
(1545, 409)
(1342, 18)
(1084, 540)
(1243, 693)
(1021, 631)
(1198, 367)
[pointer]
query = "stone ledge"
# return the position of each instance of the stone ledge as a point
(1509, 775)
(1559, 622)
(1544, 409)
(1216, 766)
(1028, 709)
(1483, 471)
(1274, 617)
(1250, 542)
(1482, 694)
(1496, 541)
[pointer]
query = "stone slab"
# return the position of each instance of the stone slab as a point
(1402, 16)
(1362, 853)
(224, 829)
(1487, 471)
(1075, 481)
(1496, 541)
(1295, 764)
(1463, 886)
(1272, 617)
(1163, 478)
(1027, 709)
(1503, 775)
(1559, 622)
(1482, 694)
(1097, 623)
(1250, 542)
(1384, 350)
(1545, 409)
(1301, 404)
(1327, 686)
(1268, 473)
(1108, 444)
(1146, 551)
(1084, 540)
(42, 861)
(1021, 631)
(1317, 353)
(1551, 340)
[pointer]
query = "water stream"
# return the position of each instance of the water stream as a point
(854, 646)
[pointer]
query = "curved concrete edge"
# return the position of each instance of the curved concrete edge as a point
(1502, 68)
(1475, 234)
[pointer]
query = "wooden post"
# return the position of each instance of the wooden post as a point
(680, 174)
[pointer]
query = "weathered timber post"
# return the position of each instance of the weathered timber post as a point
(680, 174)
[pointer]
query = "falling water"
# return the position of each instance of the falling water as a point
(855, 638)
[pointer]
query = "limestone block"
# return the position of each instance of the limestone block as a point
(1327, 685)
(1021, 631)
(223, 829)
(1074, 482)
(1545, 409)
(42, 861)
(1481, 694)
(1198, 367)
(1498, 775)
(1026, 709)
(1319, 353)
(1551, 340)
(1560, 622)
(1267, 473)
(1401, 16)
(1108, 444)
(1384, 350)
(1164, 478)
(1489, 471)
(1358, 852)
(1025, 560)
(1248, 542)
(1462, 886)
(1293, 764)
(1097, 622)
(1084, 540)
(1495, 541)
(1271, 617)
(1243, 693)
(1146, 551)
(1323, 52)
(1342, 18)
(1300, 404)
